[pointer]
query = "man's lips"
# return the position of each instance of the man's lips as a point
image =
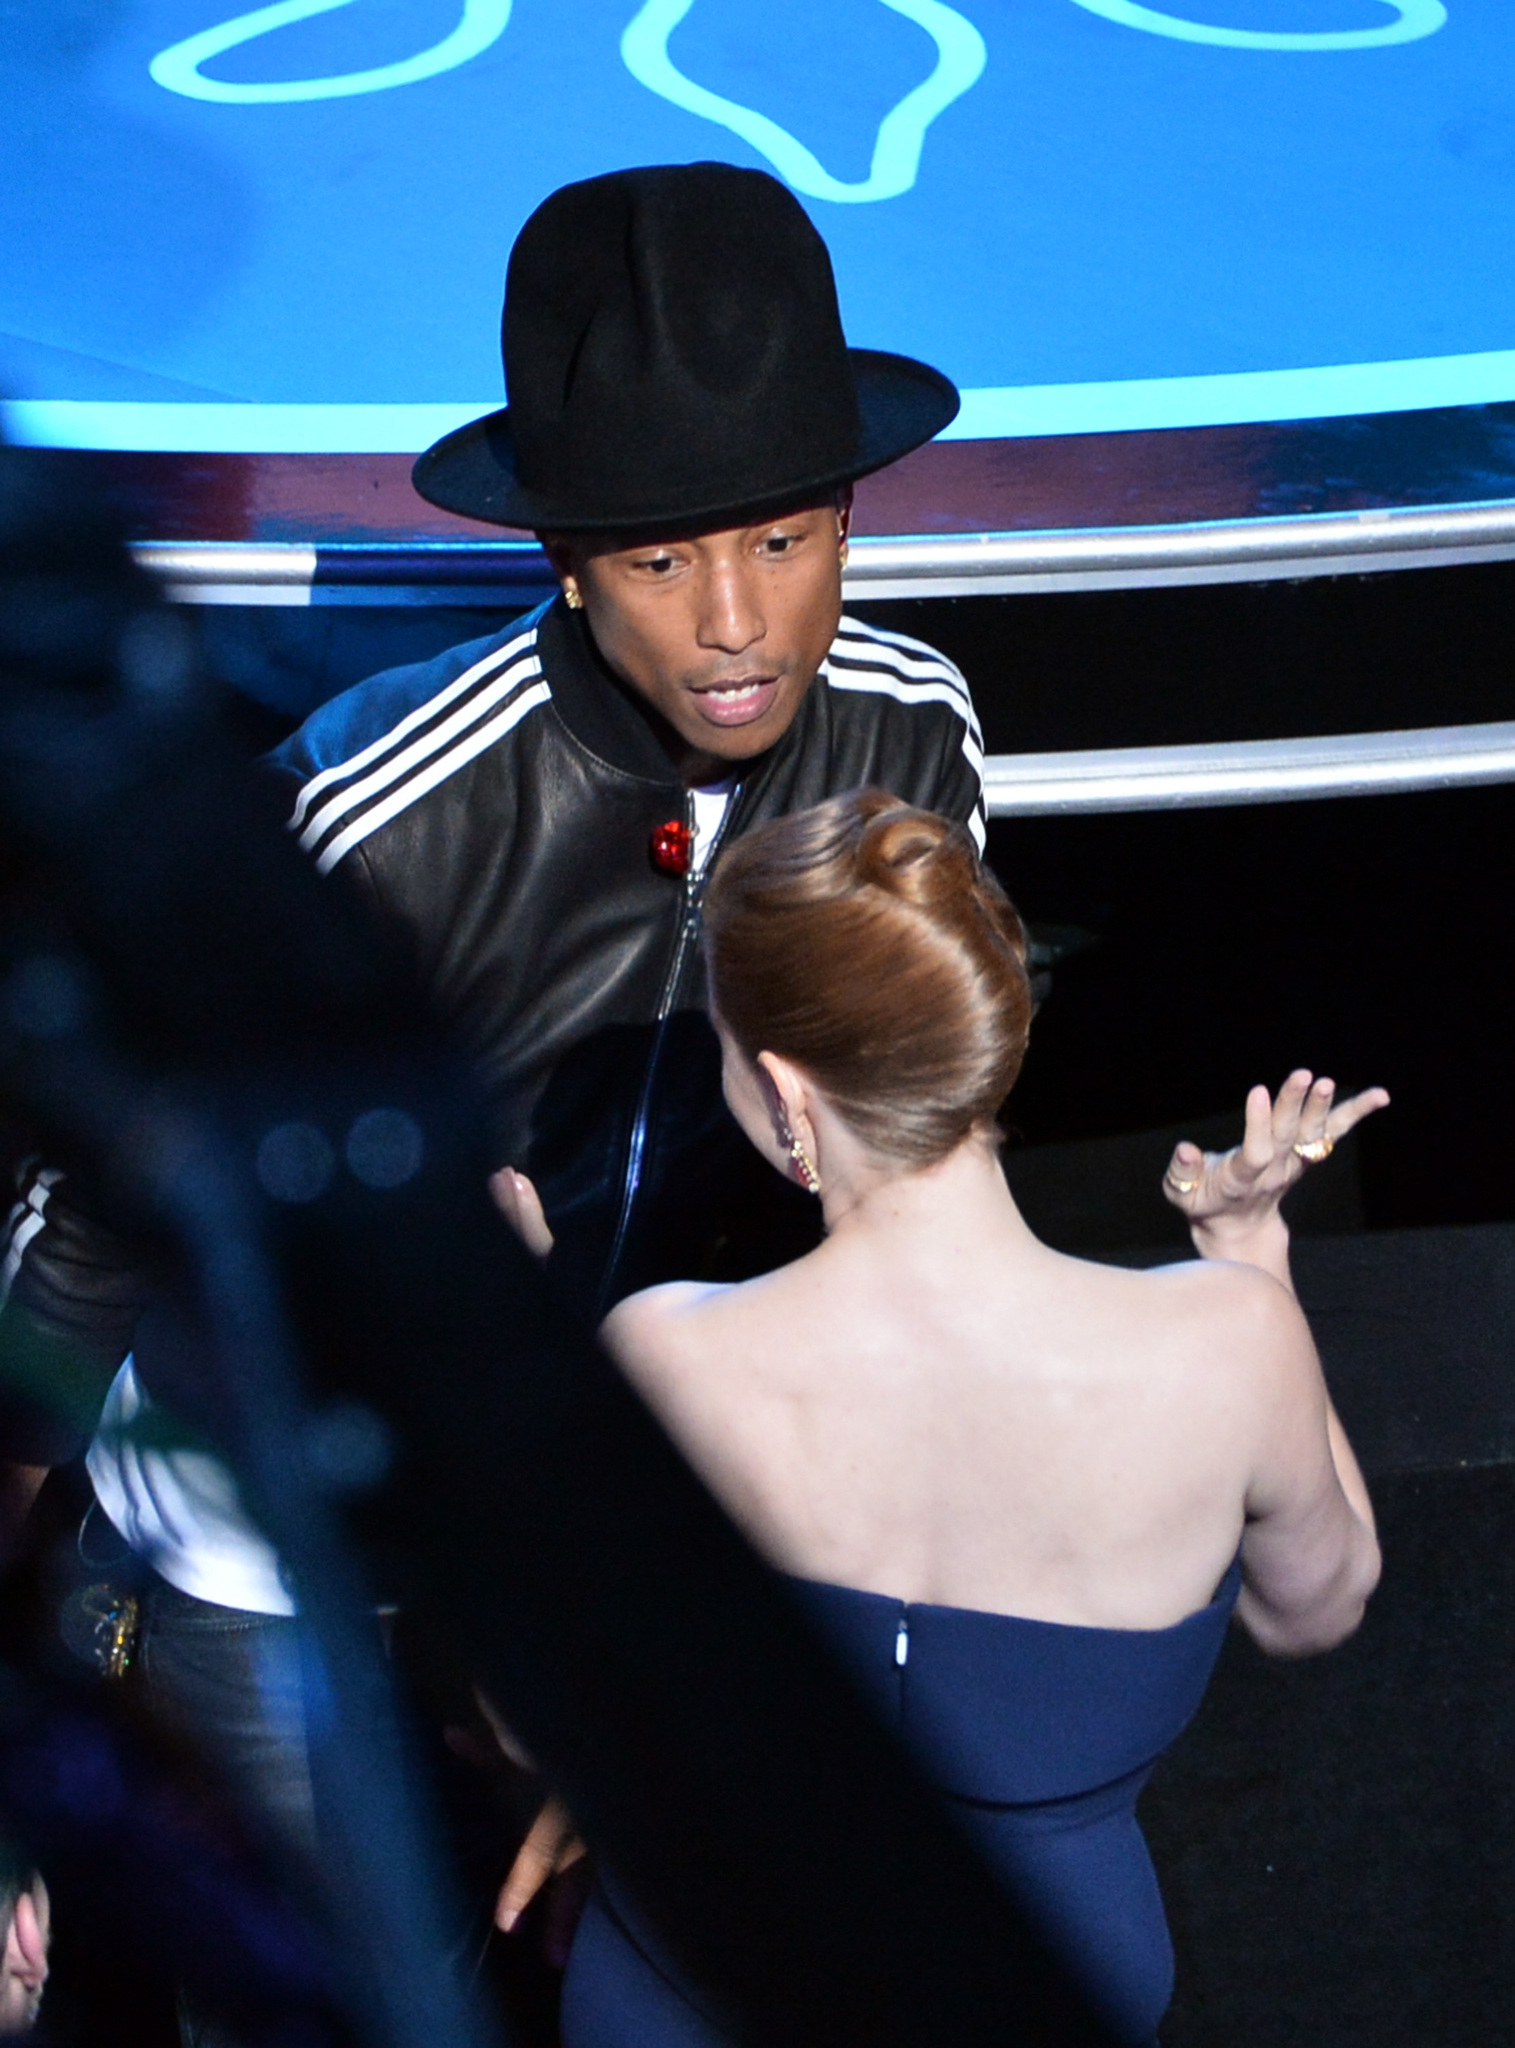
(740, 702)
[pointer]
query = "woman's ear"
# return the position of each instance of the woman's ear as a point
(785, 1091)
(789, 1094)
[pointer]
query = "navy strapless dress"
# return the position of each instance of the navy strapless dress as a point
(1039, 1736)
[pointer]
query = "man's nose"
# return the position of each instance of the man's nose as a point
(731, 613)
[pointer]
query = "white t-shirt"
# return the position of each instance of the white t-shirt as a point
(179, 1509)
(709, 814)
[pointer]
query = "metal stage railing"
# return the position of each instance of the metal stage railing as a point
(1250, 771)
(473, 572)
(483, 574)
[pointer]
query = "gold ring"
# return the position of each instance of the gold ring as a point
(1182, 1187)
(1313, 1150)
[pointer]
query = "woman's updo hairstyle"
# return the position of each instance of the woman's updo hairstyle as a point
(866, 942)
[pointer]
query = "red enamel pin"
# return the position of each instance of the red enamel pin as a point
(672, 847)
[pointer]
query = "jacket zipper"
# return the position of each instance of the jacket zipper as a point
(688, 932)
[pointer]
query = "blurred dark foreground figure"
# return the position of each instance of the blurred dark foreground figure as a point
(221, 1053)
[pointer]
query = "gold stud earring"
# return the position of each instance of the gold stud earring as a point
(843, 554)
(572, 598)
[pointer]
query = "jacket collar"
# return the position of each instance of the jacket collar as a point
(606, 717)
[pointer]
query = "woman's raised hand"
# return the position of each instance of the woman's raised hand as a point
(521, 1206)
(1227, 1196)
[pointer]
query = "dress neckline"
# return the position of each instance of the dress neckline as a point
(1220, 1601)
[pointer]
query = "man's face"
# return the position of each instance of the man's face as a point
(723, 633)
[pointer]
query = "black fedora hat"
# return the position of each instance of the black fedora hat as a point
(673, 352)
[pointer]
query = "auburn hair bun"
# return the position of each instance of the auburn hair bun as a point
(865, 941)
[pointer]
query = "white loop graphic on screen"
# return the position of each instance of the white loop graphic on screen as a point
(902, 132)
(1414, 19)
(178, 67)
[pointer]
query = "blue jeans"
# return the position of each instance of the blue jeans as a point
(230, 1684)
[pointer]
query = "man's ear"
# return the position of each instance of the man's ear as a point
(844, 513)
(559, 550)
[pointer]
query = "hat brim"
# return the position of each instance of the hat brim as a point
(902, 403)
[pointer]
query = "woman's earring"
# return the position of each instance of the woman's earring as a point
(804, 1169)
(571, 597)
(810, 1180)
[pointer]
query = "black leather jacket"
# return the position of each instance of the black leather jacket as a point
(497, 805)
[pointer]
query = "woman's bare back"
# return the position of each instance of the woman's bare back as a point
(935, 1406)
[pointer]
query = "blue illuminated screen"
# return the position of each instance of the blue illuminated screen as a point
(286, 227)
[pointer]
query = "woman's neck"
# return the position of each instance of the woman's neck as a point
(960, 1198)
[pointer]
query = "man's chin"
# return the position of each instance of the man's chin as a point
(740, 743)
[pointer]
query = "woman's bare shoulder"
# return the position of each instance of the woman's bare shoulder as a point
(1200, 1281)
(1211, 1301)
(1206, 1284)
(657, 1312)
(674, 1333)
(671, 1328)
(1254, 1318)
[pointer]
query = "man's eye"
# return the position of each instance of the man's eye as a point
(779, 543)
(658, 565)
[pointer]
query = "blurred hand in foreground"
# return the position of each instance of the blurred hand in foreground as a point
(521, 1206)
(552, 1848)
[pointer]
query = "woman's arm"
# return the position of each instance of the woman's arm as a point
(1309, 1549)
(1310, 1552)
(1232, 1202)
